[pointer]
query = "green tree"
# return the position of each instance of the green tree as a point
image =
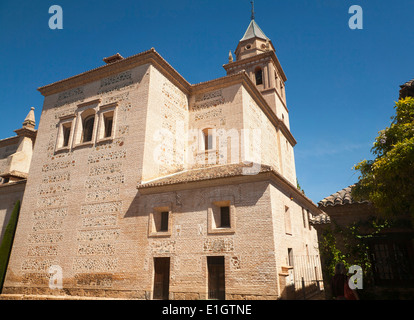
(388, 180)
(6, 244)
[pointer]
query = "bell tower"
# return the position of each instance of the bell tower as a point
(256, 55)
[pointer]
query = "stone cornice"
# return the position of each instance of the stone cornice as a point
(9, 141)
(269, 54)
(146, 57)
(152, 57)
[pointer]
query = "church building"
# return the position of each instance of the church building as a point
(144, 186)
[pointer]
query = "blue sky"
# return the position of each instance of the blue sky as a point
(341, 86)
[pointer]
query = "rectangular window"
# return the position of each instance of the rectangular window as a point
(225, 217)
(221, 216)
(108, 121)
(288, 223)
(290, 257)
(164, 221)
(304, 217)
(66, 135)
(216, 278)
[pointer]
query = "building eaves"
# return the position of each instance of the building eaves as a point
(223, 174)
(149, 56)
(342, 197)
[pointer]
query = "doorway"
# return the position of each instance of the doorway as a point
(161, 278)
(216, 278)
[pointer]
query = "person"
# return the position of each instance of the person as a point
(340, 286)
(338, 282)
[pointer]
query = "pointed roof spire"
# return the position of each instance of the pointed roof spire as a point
(30, 122)
(252, 3)
(254, 31)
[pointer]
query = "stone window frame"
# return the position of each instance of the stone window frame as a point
(85, 110)
(154, 222)
(213, 215)
(65, 121)
(109, 109)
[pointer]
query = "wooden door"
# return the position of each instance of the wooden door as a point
(216, 278)
(161, 278)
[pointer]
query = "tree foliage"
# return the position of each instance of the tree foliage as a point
(388, 180)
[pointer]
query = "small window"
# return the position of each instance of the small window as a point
(304, 217)
(160, 222)
(225, 217)
(290, 257)
(221, 218)
(88, 124)
(66, 135)
(288, 223)
(259, 76)
(208, 139)
(108, 121)
(164, 221)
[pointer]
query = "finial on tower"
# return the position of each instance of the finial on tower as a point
(230, 57)
(252, 2)
(30, 122)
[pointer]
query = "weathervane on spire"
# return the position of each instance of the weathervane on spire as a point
(252, 2)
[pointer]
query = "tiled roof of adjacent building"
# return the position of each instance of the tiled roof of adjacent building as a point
(408, 84)
(340, 198)
(208, 173)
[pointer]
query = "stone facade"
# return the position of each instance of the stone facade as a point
(92, 208)
(15, 157)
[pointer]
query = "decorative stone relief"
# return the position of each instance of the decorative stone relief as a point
(45, 237)
(45, 190)
(235, 263)
(209, 114)
(55, 224)
(116, 98)
(35, 278)
(98, 235)
(103, 195)
(100, 221)
(37, 265)
(55, 201)
(53, 166)
(218, 245)
(96, 249)
(105, 264)
(41, 251)
(109, 207)
(50, 213)
(105, 181)
(94, 280)
(59, 177)
(107, 156)
(164, 246)
(70, 96)
(105, 169)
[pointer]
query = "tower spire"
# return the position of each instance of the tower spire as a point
(252, 3)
